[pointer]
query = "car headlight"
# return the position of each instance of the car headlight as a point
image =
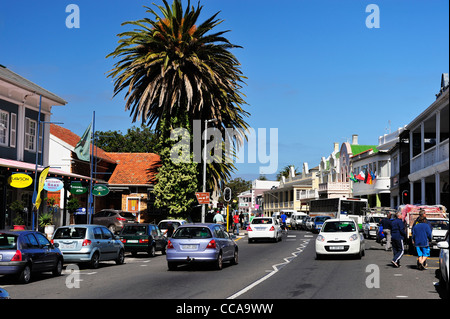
(320, 238)
(353, 237)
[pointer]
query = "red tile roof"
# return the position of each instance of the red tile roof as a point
(133, 168)
(72, 139)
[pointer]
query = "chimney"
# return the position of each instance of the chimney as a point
(336, 147)
(355, 139)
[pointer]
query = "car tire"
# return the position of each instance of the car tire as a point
(95, 260)
(218, 264)
(151, 251)
(171, 265)
(58, 268)
(235, 259)
(25, 275)
(120, 258)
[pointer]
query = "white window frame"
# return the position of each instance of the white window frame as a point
(30, 145)
(13, 130)
(4, 127)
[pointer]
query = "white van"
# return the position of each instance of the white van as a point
(297, 218)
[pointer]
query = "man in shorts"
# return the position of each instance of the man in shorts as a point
(421, 235)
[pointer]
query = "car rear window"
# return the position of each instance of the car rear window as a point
(134, 230)
(259, 221)
(126, 215)
(8, 241)
(192, 232)
(70, 233)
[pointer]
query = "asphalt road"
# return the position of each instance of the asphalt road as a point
(281, 271)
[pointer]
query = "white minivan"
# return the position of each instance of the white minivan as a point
(296, 219)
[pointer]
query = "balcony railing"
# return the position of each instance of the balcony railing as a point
(435, 154)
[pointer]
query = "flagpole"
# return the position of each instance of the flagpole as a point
(90, 201)
(36, 167)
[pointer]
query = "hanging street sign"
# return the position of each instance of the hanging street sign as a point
(100, 190)
(53, 185)
(20, 180)
(77, 188)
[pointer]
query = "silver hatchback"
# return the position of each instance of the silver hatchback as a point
(89, 244)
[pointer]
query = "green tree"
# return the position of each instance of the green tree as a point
(171, 65)
(137, 140)
(285, 171)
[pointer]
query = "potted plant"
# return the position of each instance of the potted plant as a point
(72, 205)
(17, 208)
(46, 221)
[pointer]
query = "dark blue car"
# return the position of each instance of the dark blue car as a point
(318, 222)
(25, 252)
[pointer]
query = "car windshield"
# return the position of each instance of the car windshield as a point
(165, 225)
(339, 226)
(439, 224)
(192, 232)
(259, 221)
(8, 241)
(376, 219)
(70, 233)
(134, 230)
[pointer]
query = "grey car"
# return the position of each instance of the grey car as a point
(201, 243)
(89, 244)
(113, 219)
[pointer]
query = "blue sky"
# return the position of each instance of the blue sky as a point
(315, 71)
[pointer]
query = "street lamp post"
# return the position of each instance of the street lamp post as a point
(204, 165)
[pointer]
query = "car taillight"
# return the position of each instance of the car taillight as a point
(249, 228)
(123, 240)
(212, 244)
(121, 219)
(17, 256)
(143, 241)
(272, 228)
(169, 245)
(86, 242)
(52, 242)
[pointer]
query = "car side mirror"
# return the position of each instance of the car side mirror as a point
(442, 244)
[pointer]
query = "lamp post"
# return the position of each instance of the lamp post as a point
(204, 165)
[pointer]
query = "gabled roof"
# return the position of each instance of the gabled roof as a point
(358, 149)
(19, 81)
(72, 139)
(134, 168)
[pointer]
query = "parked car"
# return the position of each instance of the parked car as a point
(318, 222)
(309, 223)
(143, 238)
(163, 225)
(443, 262)
(201, 243)
(297, 219)
(113, 219)
(89, 244)
(264, 228)
(439, 228)
(341, 237)
(25, 252)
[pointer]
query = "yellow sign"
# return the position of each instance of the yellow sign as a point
(20, 180)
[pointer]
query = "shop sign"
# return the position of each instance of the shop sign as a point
(53, 185)
(77, 188)
(20, 180)
(100, 190)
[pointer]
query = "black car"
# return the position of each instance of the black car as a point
(143, 238)
(25, 252)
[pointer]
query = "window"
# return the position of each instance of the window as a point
(42, 240)
(4, 127)
(30, 134)
(13, 134)
(97, 233)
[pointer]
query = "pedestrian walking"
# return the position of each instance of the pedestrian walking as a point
(421, 236)
(397, 236)
(386, 223)
(218, 218)
(236, 223)
(283, 218)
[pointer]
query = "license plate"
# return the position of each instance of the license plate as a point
(189, 246)
(68, 246)
(336, 247)
(132, 241)
(260, 228)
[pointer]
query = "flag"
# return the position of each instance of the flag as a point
(361, 176)
(369, 178)
(42, 178)
(373, 175)
(82, 148)
(352, 177)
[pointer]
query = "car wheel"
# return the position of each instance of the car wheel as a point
(152, 251)
(58, 268)
(120, 258)
(219, 262)
(171, 265)
(95, 260)
(235, 259)
(25, 275)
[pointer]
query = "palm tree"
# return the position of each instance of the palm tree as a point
(286, 171)
(172, 65)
